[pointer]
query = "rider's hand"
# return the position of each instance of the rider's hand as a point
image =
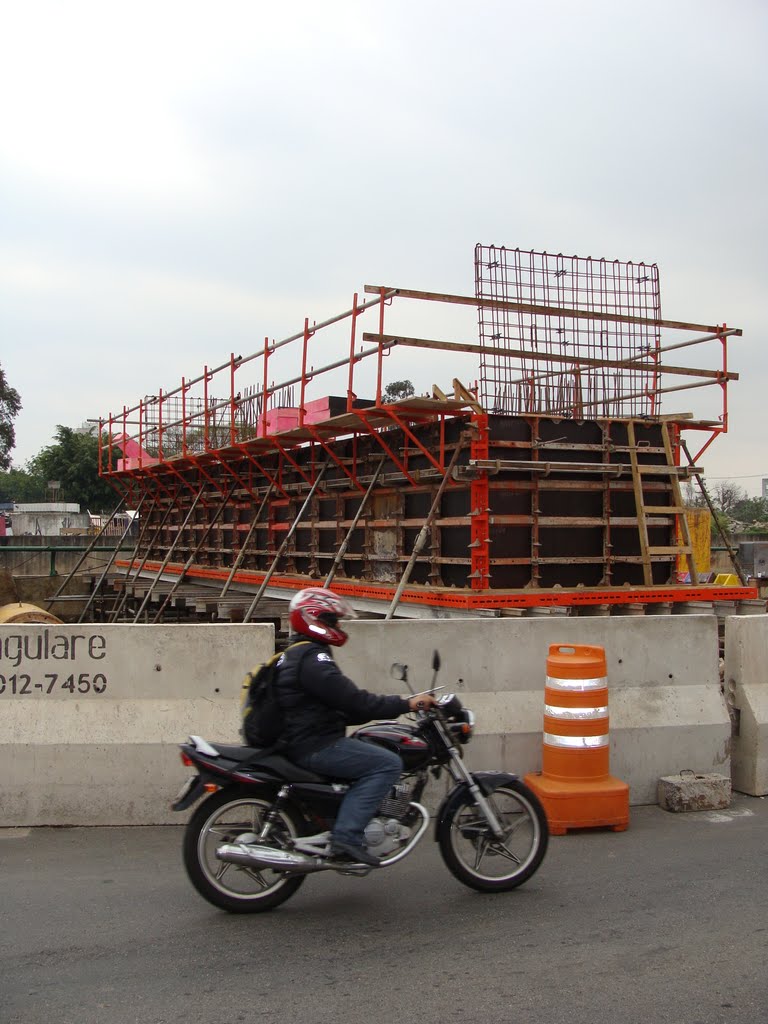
(421, 702)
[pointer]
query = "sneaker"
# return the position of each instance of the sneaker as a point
(358, 854)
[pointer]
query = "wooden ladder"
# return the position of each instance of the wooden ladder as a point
(675, 510)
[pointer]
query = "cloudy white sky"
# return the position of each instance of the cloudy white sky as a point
(178, 180)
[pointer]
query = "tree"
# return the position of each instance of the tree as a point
(751, 510)
(19, 485)
(726, 495)
(74, 461)
(10, 405)
(398, 389)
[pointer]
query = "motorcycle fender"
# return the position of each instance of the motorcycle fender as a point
(487, 781)
(191, 791)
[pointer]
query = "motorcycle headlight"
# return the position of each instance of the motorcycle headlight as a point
(462, 725)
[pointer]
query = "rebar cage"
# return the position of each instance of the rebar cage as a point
(533, 358)
(554, 478)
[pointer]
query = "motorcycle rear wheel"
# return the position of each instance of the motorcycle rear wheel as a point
(222, 818)
(485, 863)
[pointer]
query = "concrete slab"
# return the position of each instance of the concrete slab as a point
(691, 792)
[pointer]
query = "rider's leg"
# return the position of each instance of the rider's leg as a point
(372, 771)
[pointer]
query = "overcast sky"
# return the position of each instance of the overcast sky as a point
(178, 180)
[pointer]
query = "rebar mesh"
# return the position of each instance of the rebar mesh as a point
(541, 362)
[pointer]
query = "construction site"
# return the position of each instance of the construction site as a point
(542, 469)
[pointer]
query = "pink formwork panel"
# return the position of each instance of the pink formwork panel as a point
(318, 410)
(332, 405)
(281, 419)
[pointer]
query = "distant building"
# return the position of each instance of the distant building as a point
(765, 488)
(48, 519)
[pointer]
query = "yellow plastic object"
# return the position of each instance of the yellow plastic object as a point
(20, 613)
(700, 530)
(727, 579)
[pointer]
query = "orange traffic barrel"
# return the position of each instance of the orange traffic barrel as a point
(574, 783)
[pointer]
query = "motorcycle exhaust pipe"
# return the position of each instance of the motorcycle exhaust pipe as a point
(253, 856)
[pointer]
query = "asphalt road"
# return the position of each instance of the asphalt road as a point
(667, 922)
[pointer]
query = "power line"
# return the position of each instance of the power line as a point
(744, 476)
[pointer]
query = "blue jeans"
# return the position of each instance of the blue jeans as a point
(374, 771)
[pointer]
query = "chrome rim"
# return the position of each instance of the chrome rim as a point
(497, 859)
(226, 825)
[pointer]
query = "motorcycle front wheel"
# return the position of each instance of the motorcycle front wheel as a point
(477, 858)
(239, 889)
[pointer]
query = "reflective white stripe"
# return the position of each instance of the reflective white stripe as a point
(598, 683)
(584, 742)
(580, 714)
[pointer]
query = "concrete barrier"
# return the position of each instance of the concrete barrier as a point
(667, 711)
(90, 716)
(746, 687)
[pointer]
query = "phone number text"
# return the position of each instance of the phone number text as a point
(20, 684)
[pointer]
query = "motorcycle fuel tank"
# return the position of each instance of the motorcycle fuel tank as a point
(402, 739)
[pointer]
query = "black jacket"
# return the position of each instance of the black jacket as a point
(319, 701)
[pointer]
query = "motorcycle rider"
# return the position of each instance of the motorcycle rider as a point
(319, 702)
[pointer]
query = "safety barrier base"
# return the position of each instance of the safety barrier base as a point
(583, 803)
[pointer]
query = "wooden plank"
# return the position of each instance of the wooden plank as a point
(639, 505)
(670, 510)
(614, 469)
(525, 307)
(570, 360)
(682, 522)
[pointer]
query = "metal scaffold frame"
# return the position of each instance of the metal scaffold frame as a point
(434, 499)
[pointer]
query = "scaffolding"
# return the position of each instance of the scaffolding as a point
(552, 479)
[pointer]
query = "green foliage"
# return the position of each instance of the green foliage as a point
(398, 389)
(751, 510)
(74, 461)
(10, 405)
(20, 485)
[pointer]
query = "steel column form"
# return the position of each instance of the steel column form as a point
(285, 543)
(246, 542)
(238, 479)
(260, 468)
(439, 464)
(167, 558)
(419, 542)
(190, 561)
(334, 458)
(382, 444)
(345, 543)
(480, 535)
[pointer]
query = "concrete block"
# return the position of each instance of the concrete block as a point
(91, 716)
(746, 688)
(691, 792)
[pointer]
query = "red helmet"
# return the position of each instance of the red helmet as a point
(315, 613)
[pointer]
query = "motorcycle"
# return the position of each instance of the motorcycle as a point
(254, 839)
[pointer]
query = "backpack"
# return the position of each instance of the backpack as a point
(262, 718)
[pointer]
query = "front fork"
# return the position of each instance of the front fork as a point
(460, 773)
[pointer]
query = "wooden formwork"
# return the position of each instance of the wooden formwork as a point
(534, 511)
(552, 482)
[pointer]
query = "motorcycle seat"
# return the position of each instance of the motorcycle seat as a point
(254, 757)
(287, 769)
